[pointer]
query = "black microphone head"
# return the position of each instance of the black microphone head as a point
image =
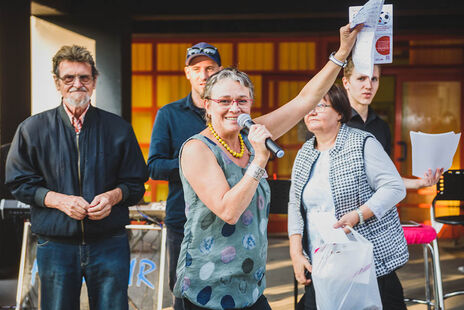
(242, 119)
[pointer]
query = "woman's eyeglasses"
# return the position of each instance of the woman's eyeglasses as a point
(227, 102)
(206, 50)
(321, 107)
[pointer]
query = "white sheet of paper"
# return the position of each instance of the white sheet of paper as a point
(324, 222)
(363, 50)
(368, 14)
(363, 53)
(432, 151)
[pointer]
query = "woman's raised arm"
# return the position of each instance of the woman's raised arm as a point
(281, 120)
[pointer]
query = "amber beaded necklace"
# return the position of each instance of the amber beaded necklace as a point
(227, 147)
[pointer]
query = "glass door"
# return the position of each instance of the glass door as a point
(430, 105)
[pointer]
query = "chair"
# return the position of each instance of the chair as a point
(450, 187)
(426, 236)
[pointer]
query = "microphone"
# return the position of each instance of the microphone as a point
(244, 120)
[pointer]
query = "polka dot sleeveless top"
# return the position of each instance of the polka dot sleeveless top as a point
(223, 266)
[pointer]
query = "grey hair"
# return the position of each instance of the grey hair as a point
(228, 73)
(73, 53)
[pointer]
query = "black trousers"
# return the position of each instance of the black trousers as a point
(174, 241)
(391, 294)
(260, 304)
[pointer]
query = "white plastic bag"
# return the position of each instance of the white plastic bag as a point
(344, 276)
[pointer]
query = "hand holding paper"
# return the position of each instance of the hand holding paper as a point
(431, 177)
(347, 40)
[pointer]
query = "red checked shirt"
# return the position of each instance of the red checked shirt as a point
(76, 122)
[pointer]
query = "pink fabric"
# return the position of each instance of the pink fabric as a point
(419, 234)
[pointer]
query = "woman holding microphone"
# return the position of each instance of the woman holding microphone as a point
(223, 254)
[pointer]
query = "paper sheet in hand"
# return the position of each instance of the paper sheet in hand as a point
(367, 15)
(432, 151)
(324, 222)
(374, 43)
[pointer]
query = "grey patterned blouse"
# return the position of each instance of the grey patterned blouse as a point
(222, 266)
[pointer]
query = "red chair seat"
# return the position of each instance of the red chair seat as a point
(419, 234)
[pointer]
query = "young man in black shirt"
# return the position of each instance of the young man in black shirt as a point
(361, 91)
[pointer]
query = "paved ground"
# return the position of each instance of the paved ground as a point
(280, 276)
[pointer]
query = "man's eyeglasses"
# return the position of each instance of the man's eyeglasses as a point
(227, 102)
(206, 50)
(69, 79)
(320, 107)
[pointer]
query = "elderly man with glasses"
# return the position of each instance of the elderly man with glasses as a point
(175, 123)
(79, 168)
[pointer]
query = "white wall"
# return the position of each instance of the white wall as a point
(46, 40)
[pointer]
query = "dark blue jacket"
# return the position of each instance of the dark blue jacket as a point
(44, 156)
(174, 124)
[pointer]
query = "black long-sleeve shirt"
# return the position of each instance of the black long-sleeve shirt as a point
(375, 125)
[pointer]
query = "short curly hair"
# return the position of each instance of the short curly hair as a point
(73, 53)
(230, 73)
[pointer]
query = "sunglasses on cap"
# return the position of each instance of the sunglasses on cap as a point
(205, 50)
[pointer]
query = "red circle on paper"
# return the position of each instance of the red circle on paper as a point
(383, 45)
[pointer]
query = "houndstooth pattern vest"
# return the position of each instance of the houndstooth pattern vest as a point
(350, 190)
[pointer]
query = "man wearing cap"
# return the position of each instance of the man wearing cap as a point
(175, 123)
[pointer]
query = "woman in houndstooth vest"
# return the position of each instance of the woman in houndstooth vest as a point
(346, 171)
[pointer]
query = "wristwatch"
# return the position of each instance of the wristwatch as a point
(336, 61)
